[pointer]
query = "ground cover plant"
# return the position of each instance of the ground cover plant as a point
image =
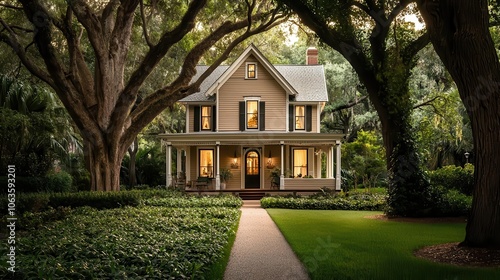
(346, 245)
(188, 238)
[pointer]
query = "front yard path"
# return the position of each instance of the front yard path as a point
(260, 251)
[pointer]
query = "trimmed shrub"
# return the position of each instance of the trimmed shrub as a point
(354, 202)
(37, 202)
(229, 201)
(454, 178)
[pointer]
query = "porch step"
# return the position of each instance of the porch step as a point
(251, 195)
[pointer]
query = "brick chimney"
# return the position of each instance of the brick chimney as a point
(312, 56)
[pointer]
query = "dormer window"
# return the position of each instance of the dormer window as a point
(251, 70)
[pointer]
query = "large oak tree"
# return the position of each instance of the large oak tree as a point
(459, 32)
(82, 49)
(382, 49)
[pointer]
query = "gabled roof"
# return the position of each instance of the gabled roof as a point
(305, 82)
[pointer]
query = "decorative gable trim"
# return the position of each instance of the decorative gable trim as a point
(251, 50)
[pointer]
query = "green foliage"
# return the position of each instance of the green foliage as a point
(364, 161)
(353, 202)
(191, 201)
(34, 130)
(59, 182)
(127, 243)
(36, 202)
(454, 178)
(449, 202)
(150, 164)
(225, 174)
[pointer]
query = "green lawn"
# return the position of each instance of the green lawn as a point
(345, 245)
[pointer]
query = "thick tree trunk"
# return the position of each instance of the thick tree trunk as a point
(408, 188)
(104, 167)
(460, 35)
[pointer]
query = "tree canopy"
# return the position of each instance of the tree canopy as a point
(97, 57)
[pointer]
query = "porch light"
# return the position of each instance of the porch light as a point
(234, 163)
(270, 164)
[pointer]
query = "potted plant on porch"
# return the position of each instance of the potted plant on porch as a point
(225, 175)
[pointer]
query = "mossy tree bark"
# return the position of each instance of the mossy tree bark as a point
(459, 31)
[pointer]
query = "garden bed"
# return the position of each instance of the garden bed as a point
(163, 238)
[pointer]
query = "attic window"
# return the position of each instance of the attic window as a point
(251, 70)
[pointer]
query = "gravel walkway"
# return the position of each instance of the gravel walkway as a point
(260, 251)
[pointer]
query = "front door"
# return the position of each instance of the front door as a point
(252, 170)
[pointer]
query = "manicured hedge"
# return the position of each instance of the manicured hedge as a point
(127, 243)
(37, 202)
(52, 182)
(196, 201)
(354, 202)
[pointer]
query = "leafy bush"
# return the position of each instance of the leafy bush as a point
(37, 202)
(59, 182)
(449, 202)
(454, 178)
(353, 202)
(126, 243)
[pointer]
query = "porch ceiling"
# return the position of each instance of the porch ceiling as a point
(239, 138)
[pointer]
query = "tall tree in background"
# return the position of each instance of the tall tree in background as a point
(459, 32)
(83, 51)
(381, 47)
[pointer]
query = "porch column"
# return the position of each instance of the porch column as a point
(338, 166)
(179, 162)
(169, 164)
(217, 167)
(282, 175)
(330, 163)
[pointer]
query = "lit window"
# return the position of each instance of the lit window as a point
(252, 114)
(300, 117)
(251, 71)
(206, 117)
(252, 163)
(206, 163)
(299, 162)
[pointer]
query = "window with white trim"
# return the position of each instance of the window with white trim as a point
(252, 114)
(206, 163)
(206, 117)
(251, 70)
(300, 117)
(299, 162)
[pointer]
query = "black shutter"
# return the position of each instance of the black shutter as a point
(262, 117)
(309, 114)
(291, 118)
(196, 118)
(214, 118)
(242, 115)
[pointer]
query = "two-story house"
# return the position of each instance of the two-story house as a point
(252, 117)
